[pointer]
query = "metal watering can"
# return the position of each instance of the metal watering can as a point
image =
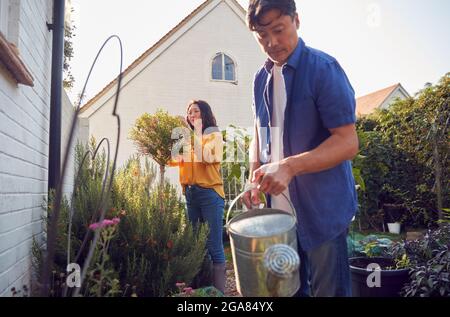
(264, 249)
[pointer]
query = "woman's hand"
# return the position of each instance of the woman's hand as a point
(198, 126)
(176, 160)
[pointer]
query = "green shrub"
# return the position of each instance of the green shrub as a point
(406, 159)
(156, 247)
(430, 258)
(153, 246)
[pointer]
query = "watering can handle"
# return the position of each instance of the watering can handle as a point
(248, 188)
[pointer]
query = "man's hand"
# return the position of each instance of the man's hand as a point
(273, 178)
(252, 198)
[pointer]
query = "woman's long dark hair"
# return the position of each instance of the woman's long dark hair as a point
(208, 119)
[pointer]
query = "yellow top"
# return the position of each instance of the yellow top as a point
(202, 168)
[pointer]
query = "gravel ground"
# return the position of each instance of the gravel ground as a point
(230, 286)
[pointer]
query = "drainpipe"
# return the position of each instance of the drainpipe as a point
(54, 162)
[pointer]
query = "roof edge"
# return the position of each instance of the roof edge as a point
(153, 48)
(144, 55)
(394, 88)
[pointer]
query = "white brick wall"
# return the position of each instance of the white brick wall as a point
(182, 72)
(24, 139)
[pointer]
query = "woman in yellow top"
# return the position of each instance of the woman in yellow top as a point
(202, 182)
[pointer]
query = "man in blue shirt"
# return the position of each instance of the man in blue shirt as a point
(304, 107)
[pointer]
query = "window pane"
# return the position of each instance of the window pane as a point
(217, 68)
(229, 69)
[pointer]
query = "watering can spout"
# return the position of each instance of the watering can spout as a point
(282, 263)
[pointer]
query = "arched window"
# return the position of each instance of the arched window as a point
(223, 68)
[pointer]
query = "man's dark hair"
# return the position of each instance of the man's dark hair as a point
(257, 8)
(208, 119)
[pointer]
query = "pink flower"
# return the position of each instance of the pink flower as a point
(107, 223)
(180, 285)
(188, 290)
(94, 226)
(104, 223)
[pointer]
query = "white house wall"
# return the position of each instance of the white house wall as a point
(24, 145)
(66, 122)
(181, 73)
(24, 126)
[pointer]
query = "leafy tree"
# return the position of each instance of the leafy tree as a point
(69, 33)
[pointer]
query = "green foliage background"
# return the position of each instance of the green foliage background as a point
(403, 149)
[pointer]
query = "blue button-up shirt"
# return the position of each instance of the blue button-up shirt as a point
(319, 97)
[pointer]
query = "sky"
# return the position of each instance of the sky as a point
(378, 42)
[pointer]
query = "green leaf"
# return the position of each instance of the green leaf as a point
(430, 283)
(236, 171)
(358, 178)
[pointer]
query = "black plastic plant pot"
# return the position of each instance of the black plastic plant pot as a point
(390, 281)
